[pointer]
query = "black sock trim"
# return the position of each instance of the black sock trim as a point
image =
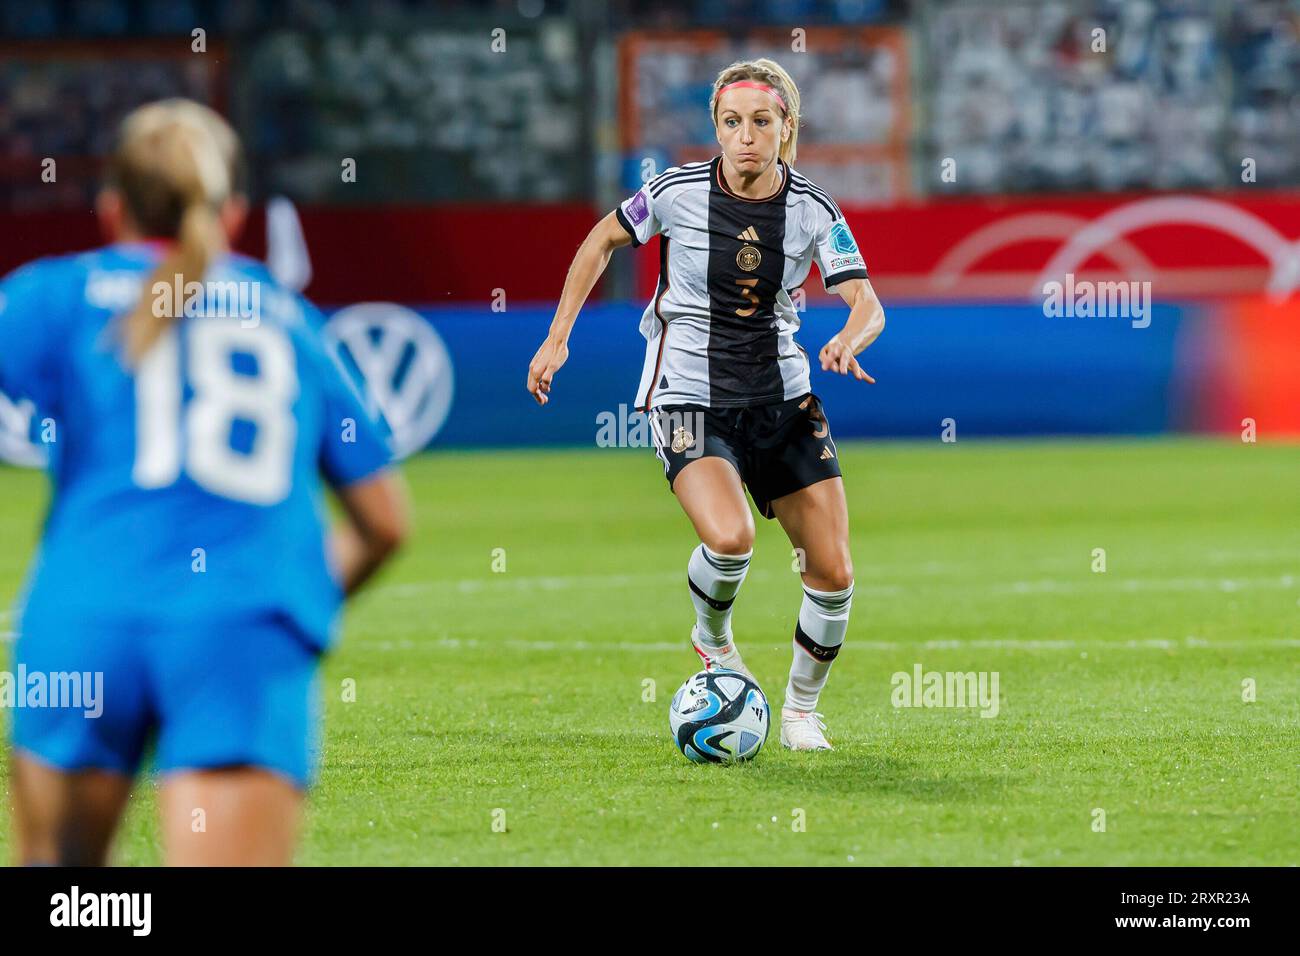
(736, 562)
(819, 651)
(825, 605)
(710, 601)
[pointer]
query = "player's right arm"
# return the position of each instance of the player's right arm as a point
(588, 264)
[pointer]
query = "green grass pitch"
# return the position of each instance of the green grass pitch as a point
(516, 696)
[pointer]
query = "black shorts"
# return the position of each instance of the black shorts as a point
(777, 449)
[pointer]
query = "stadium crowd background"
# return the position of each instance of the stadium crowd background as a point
(969, 142)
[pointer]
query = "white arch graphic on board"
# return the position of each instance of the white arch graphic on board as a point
(1282, 254)
(1028, 226)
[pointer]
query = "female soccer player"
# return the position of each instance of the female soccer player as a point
(725, 384)
(183, 575)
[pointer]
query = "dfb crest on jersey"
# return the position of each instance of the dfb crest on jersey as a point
(748, 258)
(405, 367)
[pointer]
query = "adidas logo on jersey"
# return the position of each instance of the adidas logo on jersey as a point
(826, 453)
(749, 235)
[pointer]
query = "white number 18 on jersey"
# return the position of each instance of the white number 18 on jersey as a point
(221, 397)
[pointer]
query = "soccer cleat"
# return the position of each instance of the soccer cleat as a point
(803, 731)
(719, 658)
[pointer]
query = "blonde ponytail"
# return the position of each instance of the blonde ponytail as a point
(772, 74)
(174, 165)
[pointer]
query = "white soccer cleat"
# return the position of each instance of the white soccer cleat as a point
(802, 730)
(719, 658)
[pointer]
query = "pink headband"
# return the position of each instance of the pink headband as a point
(751, 85)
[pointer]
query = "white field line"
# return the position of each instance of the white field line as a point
(514, 644)
(865, 572)
(612, 581)
(577, 582)
(1256, 554)
(1085, 582)
(458, 644)
(1227, 585)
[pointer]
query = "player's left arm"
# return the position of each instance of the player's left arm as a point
(866, 322)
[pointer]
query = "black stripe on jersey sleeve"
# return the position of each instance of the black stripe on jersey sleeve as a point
(816, 190)
(674, 179)
(627, 225)
(685, 170)
(825, 204)
(833, 280)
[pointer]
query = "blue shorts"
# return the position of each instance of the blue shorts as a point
(208, 695)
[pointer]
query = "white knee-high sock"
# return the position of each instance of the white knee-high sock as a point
(714, 580)
(823, 619)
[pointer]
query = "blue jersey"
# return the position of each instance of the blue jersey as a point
(188, 487)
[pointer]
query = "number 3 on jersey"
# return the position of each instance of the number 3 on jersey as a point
(221, 398)
(747, 290)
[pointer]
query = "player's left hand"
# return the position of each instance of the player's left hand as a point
(837, 357)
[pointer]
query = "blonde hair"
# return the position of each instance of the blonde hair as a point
(774, 75)
(174, 164)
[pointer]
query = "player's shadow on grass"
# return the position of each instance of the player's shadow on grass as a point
(849, 772)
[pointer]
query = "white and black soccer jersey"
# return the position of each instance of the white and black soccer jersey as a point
(720, 331)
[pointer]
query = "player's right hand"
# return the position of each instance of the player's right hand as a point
(548, 360)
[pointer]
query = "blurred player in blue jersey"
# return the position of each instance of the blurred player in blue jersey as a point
(185, 567)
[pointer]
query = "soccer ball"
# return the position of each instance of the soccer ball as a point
(719, 716)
